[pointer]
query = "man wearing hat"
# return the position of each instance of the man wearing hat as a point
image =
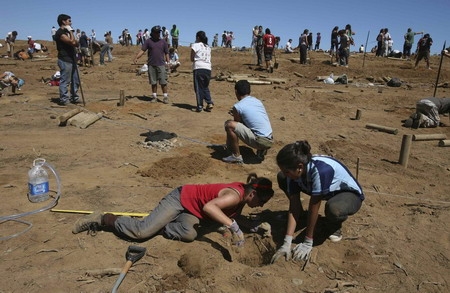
(158, 61)
(10, 40)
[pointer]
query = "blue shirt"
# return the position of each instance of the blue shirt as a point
(327, 176)
(254, 116)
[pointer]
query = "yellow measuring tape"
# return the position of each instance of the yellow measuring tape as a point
(90, 212)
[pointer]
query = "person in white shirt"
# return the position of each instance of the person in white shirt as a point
(361, 49)
(387, 37)
(201, 67)
(288, 48)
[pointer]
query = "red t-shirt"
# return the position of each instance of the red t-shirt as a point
(194, 197)
(269, 41)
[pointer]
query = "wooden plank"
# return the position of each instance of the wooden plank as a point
(66, 116)
(438, 136)
(84, 119)
(382, 128)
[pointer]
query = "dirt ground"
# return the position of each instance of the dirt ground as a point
(397, 242)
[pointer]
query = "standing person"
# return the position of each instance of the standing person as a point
(10, 41)
(165, 34)
(334, 42)
(145, 36)
(322, 178)
(85, 53)
(53, 33)
(250, 124)
(215, 41)
(224, 39)
(104, 48)
(380, 39)
(386, 39)
(409, 41)
(259, 45)
(303, 44)
(93, 35)
(318, 38)
(179, 212)
(66, 45)
(175, 34)
(390, 46)
(269, 44)
(344, 48)
(423, 47)
(158, 62)
(350, 34)
(310, 41)
(109, 40)
(254, 36)
(201, 67)
(139, 38)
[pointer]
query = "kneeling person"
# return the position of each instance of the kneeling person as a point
(427, 113)
(250, 124)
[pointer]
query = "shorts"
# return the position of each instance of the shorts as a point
(423, 55)
(268, 54)
(85, 52)
(246, 135)
(157, 73)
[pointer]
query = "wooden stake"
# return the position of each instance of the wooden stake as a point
(382, 128)
(444, 143)
(405, 149)
(439, 71)
(358, 114)
(437, 136)
(122, 98)
(357, 168)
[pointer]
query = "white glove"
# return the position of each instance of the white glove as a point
(69, 28)
(238, 236)
(284, 250)
(303, 250)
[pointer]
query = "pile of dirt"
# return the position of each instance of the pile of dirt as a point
(178, 166)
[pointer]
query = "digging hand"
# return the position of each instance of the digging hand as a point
(284, 250)
(303, 250)
(237, 235)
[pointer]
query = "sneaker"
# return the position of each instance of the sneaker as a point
(76, 101)
(336, 236)
(154, 100)
(63, 103)
(233, 159)
(166, 100)
(261, 154)
(90, 222)
(198, 110)
(209, 107)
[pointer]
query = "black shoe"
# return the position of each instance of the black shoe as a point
(63, 103)
(261, 154)
(76, 101)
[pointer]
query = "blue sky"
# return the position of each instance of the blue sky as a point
(286, 19)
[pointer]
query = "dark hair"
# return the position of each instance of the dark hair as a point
(242, 87)
(267, 30)
(348, 26)
(291, 155)
(201, 35)
(426, 36)
(14, 33)
(410, 29)
(61, 18)
(306, 31)
(386, 30)
(336, 28)
(172, 50)
(261, 185)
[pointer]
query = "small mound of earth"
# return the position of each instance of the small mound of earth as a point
(176, 167)
(194, 266)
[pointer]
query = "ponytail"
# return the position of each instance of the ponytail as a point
(291, 155)
(261, 185)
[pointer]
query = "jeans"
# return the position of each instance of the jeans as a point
(169, 215)
(110, 57)
(201, 83)
(343, 56)
(259, 50)
(337, 208)
(105, 48)
(69, 74)
(407, 49)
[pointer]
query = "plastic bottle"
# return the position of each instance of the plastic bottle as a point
(38, 182)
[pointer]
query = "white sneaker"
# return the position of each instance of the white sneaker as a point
(233, 159)
(336, 236)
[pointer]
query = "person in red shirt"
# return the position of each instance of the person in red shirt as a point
(179, 212)
(269, 44)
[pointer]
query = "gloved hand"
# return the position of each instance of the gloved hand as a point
(284, 250)
(69, 28)
(265, 227)
(303, 250)
(237, 235)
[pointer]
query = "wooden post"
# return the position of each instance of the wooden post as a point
(357, 168)
(438, 136)
(382, 128)
(358, 114)
(66, 116)
(404, 151)
(444, 143)
(121, 98)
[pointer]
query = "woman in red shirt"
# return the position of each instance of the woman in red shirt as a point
(178, 212)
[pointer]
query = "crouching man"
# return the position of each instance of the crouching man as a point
(250, 124)
(427, 113)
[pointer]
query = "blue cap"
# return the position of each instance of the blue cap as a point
(21, 83)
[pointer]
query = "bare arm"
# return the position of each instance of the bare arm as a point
(192, 55)
(70, 40)
(139, 55)
(313, 214)
(293, 216)
(228, 198)
(236, 115)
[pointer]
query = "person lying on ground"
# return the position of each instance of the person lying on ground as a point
(324, 179)
(250, 124)
(53, 80)
(8, 79)
(21, 55)
(445, 53)
(427, 113)
(179, 213)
